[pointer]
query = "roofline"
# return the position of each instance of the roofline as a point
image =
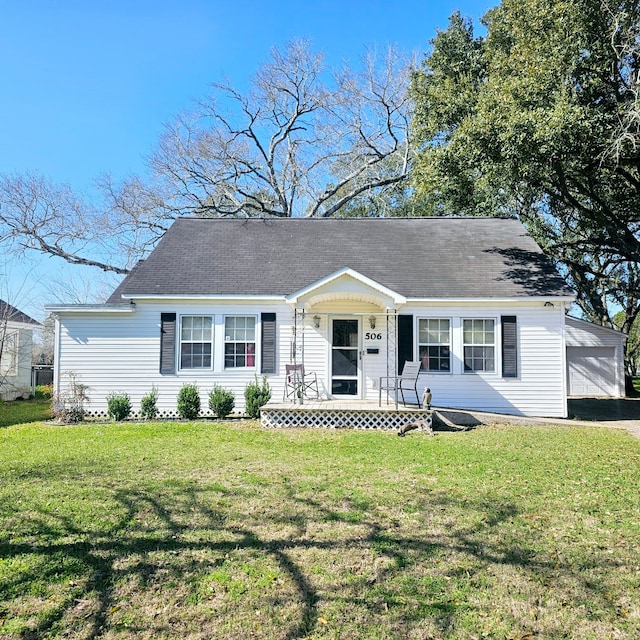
(202, 296)
(91, 308)
(552, 299)
(598, 326)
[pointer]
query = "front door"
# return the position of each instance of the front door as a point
(345, 357)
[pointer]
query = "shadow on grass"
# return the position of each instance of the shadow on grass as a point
(93, 563)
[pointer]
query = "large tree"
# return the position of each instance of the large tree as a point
(539, 118)
(302, 140)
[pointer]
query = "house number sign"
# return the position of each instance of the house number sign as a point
(372, 336)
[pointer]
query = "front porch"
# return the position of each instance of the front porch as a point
(338, 414)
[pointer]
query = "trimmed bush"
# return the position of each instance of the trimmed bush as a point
(221, 401)
(118, 406)
(189, 401)
(256, 395)
(44, 391)
(148, 404)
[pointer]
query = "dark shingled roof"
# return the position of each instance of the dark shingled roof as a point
(416, 257)
(10, 313)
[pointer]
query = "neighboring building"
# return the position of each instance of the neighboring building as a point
(16, 346)
(595, 360)
(225, 300)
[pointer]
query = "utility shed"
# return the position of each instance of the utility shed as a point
(595, 359)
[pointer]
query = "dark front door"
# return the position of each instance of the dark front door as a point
(345, 357)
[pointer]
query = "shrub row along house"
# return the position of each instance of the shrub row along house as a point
(221, 301)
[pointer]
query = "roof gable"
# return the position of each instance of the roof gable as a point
(347, 281)
(432, 258)
(9, 313)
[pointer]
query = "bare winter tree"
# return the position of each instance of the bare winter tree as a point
(303, 140)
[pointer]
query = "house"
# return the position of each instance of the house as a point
(221, 301)
(16, 345)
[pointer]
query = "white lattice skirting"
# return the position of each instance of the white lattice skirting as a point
(338, 418)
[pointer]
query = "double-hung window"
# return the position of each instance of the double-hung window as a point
(9, 354)
(434, 344)
(196, 342)
(239, 341)
(479, 342)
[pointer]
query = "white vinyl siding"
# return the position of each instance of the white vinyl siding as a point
(121, 352)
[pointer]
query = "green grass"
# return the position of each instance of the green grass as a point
(225, 530)
(23, 411)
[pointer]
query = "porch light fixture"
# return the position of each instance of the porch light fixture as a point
(372, 322)
(316, 322)
(548, 304)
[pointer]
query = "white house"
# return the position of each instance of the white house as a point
(225, 300)
(16, 346)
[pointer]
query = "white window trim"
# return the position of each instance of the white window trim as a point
(179, 343)
(450, 345)
(256, 342)
(496, 346)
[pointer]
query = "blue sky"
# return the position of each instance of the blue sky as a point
(87, 84)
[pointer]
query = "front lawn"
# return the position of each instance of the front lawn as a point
(22, 411)
(211, 530)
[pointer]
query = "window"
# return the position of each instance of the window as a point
(196, 342)
(434, 344)
(9, 351)
(239, 341)
(479, 345)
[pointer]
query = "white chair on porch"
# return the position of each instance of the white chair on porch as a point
(299, 383)
(406, 381)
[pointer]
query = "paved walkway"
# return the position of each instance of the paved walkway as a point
(621, 413)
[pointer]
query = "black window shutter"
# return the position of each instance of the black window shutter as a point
(167, 343)
(405, 339)
(509, 347)
(268, 360)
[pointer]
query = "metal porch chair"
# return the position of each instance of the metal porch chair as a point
(406, 381)
(299, 383)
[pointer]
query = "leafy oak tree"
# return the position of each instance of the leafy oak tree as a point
(302, 140)
(539, 118)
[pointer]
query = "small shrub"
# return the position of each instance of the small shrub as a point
(256, 395)
(118, 406)
(221, 401)
(149, 404)
(68, 403)
(189, 402)
(44, 391)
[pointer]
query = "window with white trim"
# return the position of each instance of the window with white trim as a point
(9, 356)
(196, 342)
(239, 342)
(434, 344)
(479, 344)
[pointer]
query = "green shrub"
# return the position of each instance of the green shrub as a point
(221, 401)
(44, 391)
(256, 395)
(148, 404)
(189, 402)
(118, 406)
